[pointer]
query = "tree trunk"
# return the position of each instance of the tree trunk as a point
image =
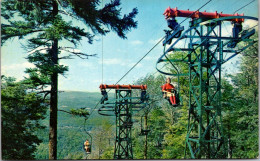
(54, 96)
(230, 150)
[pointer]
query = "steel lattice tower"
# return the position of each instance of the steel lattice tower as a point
(207, 50)
(205, 135)
(123, 111)
(123, 107)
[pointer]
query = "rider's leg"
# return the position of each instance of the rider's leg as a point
(172, 100)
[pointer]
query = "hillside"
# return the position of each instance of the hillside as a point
(71, 133)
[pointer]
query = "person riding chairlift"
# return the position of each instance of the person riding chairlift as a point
(169, 92)
(87, 146)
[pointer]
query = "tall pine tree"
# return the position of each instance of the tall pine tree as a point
(45, 25)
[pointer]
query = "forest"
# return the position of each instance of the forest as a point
(41, 122)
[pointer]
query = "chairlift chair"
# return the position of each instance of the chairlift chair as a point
(167, 96)
(87, 147)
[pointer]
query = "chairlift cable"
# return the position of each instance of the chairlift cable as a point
(195, 12)
(139, 62)
(102, 60)
(244, 6)
(252, 27)
(233, 4)
(154, 47)
(102, 50)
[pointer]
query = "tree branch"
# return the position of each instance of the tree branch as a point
(34, 50)
(78, 54)
(66, 57)
(8, 36)
(63, 11)
(65, 111)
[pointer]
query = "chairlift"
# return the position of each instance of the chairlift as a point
(171, 94)
(144, 131)
(87, 146)
(174, 93)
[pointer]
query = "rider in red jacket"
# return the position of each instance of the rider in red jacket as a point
(168, 88)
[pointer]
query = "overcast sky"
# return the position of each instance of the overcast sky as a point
(120, 55)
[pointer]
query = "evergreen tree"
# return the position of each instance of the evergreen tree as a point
(21, 114)
(45, 25)
(241, 107)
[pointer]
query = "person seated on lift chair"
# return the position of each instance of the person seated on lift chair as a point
(169, 92)
(87, 146)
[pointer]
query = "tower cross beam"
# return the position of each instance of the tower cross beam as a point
(174, 12)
